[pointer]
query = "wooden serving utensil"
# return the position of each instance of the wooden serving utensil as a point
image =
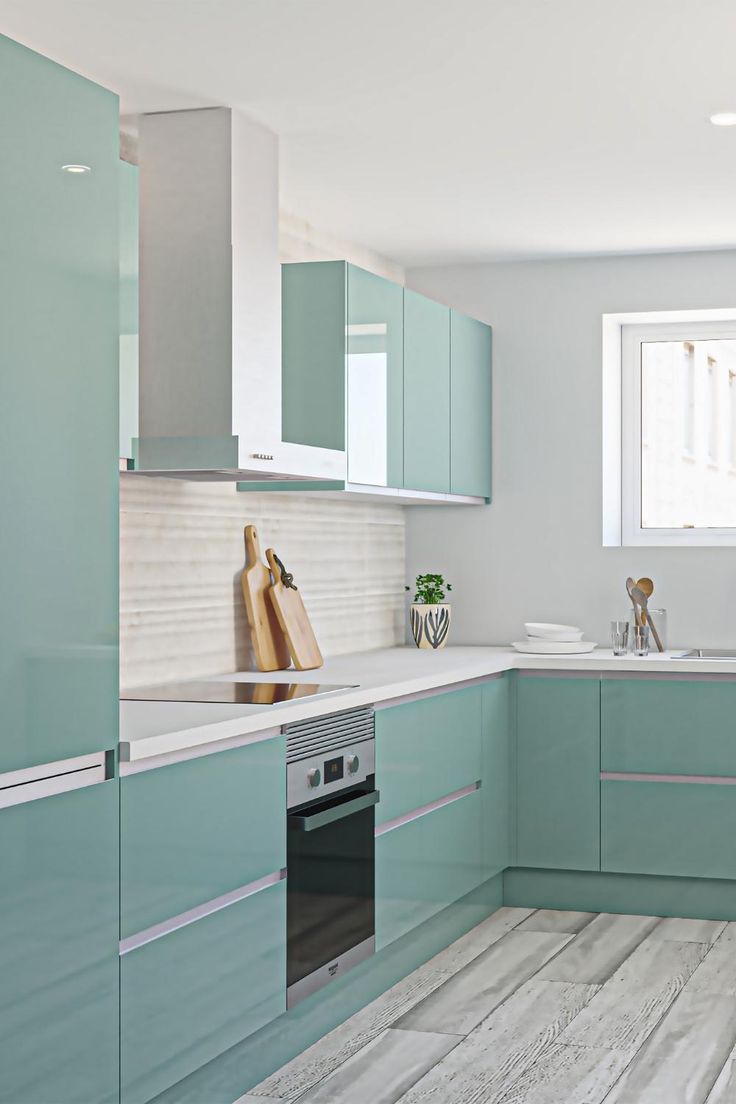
(630, 587)
(647, 586)
(640, 598)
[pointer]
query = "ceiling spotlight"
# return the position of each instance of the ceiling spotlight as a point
(87, 168)
(724, 118)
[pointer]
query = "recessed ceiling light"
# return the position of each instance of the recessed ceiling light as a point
(724, 118)
(87, 168)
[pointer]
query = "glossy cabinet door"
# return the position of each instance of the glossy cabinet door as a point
(128, 307)
(427, 863)
(59, 948)
(195, 830)
(558, 772)
(470, 406)
(690, 726)
(58, 412)
(426, 394)
(426, 750)
(497, 793)
(313, 313)
(196, 991)
(375, 379)
(676, 828)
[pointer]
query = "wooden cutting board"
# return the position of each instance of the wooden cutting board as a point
(269, 643)
(292, 617)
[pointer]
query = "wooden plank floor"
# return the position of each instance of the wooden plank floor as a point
(541, 1007)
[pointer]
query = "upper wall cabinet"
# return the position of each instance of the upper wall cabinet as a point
(398, 381)
(58, 412)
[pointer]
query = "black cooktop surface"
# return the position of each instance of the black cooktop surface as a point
(229, 693)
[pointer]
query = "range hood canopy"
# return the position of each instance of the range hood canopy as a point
(210, 304)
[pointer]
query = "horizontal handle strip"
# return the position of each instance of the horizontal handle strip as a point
(157, 931)
(415, 814)
(700, 779)
(48, 779)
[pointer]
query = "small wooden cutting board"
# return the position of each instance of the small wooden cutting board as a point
(293, 617)
(269, 643)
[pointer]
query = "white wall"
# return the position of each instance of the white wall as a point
(535, 553)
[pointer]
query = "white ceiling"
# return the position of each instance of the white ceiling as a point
(439, 132)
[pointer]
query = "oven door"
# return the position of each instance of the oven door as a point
(330, 888)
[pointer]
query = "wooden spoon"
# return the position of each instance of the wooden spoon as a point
(630, 586)
(647, 586)
(638, 595)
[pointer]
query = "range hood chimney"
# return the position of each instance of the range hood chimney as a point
(210, 304)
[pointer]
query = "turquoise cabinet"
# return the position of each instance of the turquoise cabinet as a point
(678, 828)
(59, 948)
(128, 307)
(426, 394)
(558, 772)
(426, 750)
(195, 830)
(668, 726)
(497, 791)
(193, 993)
(427, 863)
(470, 406)
(58, 412)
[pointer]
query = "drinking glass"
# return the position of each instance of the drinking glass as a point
(641, 640)
(620, 637)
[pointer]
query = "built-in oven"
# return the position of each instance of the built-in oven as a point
(330, 888)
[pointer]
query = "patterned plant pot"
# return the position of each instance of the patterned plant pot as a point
(430, 625)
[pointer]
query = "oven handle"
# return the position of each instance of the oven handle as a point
(337, 812)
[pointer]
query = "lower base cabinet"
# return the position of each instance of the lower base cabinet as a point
(427, 863)
(676, 828)
(59, 948)
(193, 993)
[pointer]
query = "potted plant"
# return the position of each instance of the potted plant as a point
(429, 615)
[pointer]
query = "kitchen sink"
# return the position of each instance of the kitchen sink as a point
(707, 653)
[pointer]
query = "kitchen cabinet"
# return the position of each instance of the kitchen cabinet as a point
(470, 406)
(427, 749)
(58, 412)
(688, 726)
(426, 394)
(195, 830)
(497, 793)
(558, 772)
(200, 989)
(129, 368)
(59, 948)
(425, 864)
(677, 828)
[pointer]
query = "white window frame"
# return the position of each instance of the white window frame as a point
(622, 338)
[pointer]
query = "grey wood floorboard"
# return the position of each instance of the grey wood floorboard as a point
(503, 1046)
(315, 1063)
(461, 1002)
(600, 948)
(382, 1072)
(724, 1090)
(569, 1075)
(632, 1002)
(685, 930)
(682, 1058)
(556, 920)
(717, 972)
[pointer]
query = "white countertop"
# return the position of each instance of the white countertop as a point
(159, 728)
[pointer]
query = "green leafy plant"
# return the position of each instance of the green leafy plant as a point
(430, 589)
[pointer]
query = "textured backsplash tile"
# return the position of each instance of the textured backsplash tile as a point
(181, 552)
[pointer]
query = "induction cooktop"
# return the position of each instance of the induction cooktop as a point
(230, 693)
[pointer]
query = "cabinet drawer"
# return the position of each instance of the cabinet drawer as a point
(195, 992)
(426, 749)
(668, 726)
(558, 773)
(679, 828)
(200, 828)
(426, 864)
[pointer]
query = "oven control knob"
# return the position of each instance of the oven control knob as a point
(352, 763)
(314, 777)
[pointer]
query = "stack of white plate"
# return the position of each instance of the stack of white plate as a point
(547, 639)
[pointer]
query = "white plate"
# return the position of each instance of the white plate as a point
(540, 630)
(554, 647)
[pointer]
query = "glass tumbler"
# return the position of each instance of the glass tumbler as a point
(659, 619)
(641, 640)
(620, 637)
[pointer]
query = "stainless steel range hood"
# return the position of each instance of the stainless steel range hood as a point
(210, 304)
